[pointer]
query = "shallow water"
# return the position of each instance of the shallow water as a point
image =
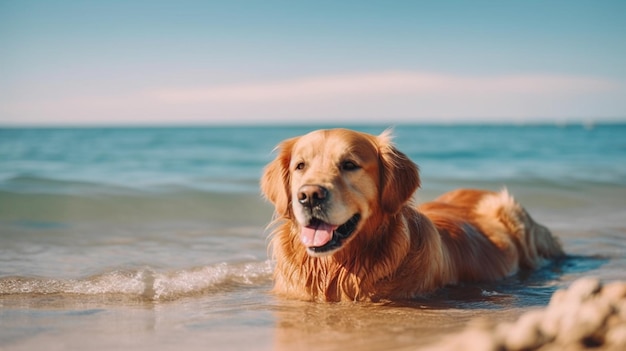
(155, 238)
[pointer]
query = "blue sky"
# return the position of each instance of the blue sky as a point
(163, 62)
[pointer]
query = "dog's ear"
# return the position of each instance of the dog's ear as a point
(399, 175)
(275, 183)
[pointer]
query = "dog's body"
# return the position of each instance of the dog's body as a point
(346, 228)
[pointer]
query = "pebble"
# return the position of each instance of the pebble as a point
(586, 316)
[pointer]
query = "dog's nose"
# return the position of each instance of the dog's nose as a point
(312, 195)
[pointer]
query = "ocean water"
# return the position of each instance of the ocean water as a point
(154, 238)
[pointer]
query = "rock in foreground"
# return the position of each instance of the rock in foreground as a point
(588, 315)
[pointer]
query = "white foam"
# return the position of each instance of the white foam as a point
(147, 283)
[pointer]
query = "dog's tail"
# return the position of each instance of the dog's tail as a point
(534, 242)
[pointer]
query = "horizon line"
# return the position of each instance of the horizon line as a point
(586, 123)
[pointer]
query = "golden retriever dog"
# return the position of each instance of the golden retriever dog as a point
(345, 226)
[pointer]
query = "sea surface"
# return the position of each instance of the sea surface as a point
(155, 238)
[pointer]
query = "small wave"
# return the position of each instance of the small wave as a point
(488, 293)
(146, 283)
(138, 206)
(132, 184)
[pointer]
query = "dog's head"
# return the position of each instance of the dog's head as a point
(333, 182)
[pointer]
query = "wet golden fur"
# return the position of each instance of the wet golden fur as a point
(398, 250)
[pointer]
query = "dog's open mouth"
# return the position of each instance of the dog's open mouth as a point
(320, 237)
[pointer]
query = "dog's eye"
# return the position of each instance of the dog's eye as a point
(300, 166)
(349, 166)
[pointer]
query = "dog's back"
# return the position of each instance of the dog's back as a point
(488, 234)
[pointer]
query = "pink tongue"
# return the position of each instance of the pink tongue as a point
(318, 235)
